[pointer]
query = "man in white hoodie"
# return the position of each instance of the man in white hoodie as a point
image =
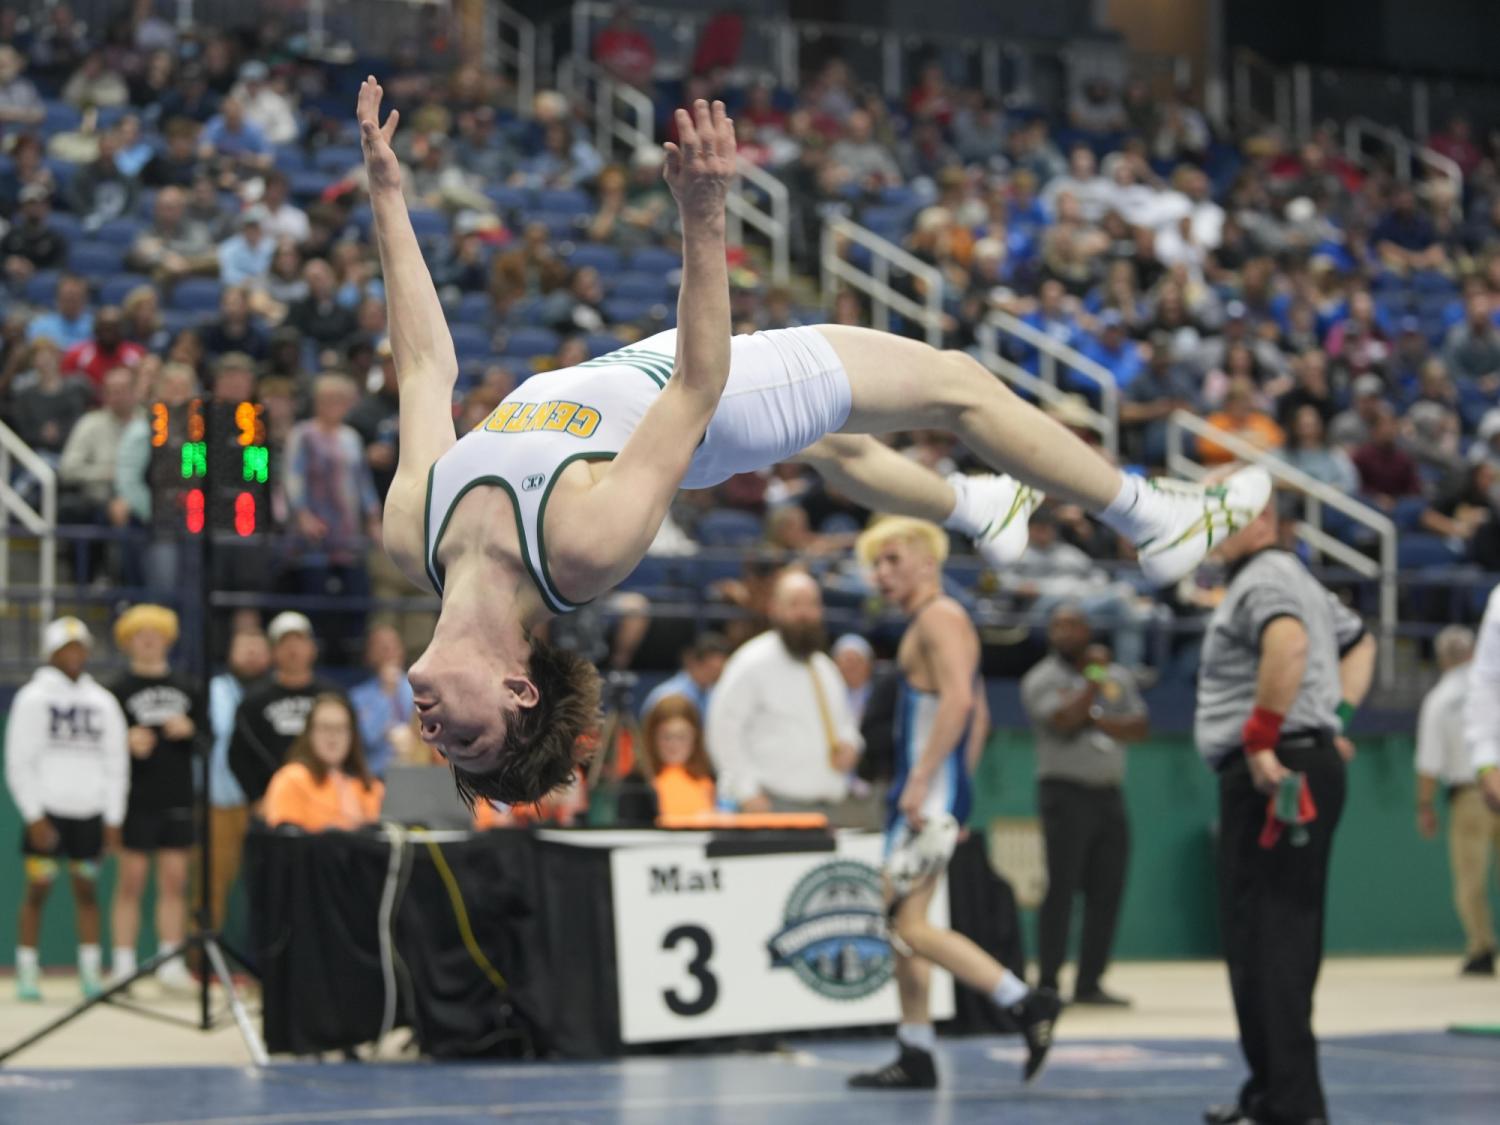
(68, 770)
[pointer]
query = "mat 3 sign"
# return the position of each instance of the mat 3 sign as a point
(833, 933)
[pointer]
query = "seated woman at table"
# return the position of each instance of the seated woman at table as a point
(674, 757)
(325, 783)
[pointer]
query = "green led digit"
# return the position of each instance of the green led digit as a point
(194, 460)
(255, 461)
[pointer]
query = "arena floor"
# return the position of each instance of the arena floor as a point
(1387, 1059)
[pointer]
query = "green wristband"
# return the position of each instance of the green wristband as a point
(1346, 714)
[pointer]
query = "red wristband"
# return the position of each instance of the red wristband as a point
(1262, 730)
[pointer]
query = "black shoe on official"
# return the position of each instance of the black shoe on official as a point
(1482, 965)
(1225, 1115)
(1098, 998)
(912, 1070)
(1037, 1015)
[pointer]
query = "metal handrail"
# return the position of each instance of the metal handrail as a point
(774, 222)
(41, 523)
(522, 56)
(1052, 353)
(876, 284)
(988, 335)
(610, 125)
(1404, 150)
(1316, 496)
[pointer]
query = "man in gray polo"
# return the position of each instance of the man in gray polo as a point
(1083, 710)
(1284, 665)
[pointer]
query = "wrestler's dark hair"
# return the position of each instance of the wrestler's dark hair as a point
(540, 750)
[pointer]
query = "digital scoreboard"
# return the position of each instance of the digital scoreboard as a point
(210, 468)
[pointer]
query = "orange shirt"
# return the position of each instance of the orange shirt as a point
(679, 793)
(340, 801)
(1259, 429)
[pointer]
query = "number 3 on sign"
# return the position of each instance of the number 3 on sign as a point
(697, 968)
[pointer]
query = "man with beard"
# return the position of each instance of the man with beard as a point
(940, 723)
(779, 727)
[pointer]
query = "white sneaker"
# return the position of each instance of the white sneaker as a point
(1196, 517)
(173, 976)
(1008, 504)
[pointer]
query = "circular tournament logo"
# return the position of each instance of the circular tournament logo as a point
(834, 931)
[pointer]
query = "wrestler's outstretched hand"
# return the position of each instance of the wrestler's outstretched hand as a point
(701, 164)
(375, 138)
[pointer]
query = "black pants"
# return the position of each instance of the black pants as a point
(1271, 905)
(1088, 845)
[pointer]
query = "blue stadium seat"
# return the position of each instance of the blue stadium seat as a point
(509, 198)
(60, 118)
(427, 223)
(728, 527)
(63, 172)
(114, 290)
(119, 232)
(1407, 514)
(654, 259)
(570, 201)
(175, 320)
(528, 342)
(471, 341)
(337, 159)
(290, 159)
(308, 185)
(196, 295)
(642, 286)
(96, 260)
(602, 343)
(559, 224)
(628, 310)
(473, 308)
(41, 288)
(1421, 552)
(67, 225)
(605, 259)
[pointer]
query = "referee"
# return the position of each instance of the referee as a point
(1284, 665)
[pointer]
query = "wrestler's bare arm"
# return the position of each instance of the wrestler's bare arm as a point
(607, 529)
(426, 366)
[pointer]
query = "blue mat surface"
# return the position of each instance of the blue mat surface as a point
(1373, 1080)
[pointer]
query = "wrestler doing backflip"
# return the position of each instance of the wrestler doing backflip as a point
(555, 498)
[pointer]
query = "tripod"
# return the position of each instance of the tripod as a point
(203, 939)
(619, 722)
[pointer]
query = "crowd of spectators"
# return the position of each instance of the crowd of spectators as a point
(182, 214)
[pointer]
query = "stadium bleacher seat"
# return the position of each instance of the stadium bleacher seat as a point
(642, 286)
(41, 287)
(509, 198)
(602, 343)
(654, 259)
(528, 342)
(66, 224)
(473, 308)
(95, 260)
(196, 295)
(60, 118)
(113, 290)
(605, 259)
(728, 527)
(564, 201)
(308, 185)
(337, 159)
(628, 310)
(120, 232)
(471, 341)
(427, 223)
(1421, 552)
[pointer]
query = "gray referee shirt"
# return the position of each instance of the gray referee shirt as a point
(1088, 756)
(1265, 586)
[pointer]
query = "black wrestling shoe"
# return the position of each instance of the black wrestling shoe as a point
(1482, 965)
(912, 1070)
(1098, 998)
(1036, 1016)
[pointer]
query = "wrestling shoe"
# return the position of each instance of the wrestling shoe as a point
(999, 508)
(1037, 1015)
(1191, 518)
(912, 1070)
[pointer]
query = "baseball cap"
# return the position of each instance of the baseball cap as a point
(255, 71)
(1111, 318)
(1489, 425)
(284, 624)
(31, 193)
(1235, 310)
(63, 632)
(255, 216)
(1369, 385)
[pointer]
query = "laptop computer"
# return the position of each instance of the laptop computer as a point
(423, 797)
